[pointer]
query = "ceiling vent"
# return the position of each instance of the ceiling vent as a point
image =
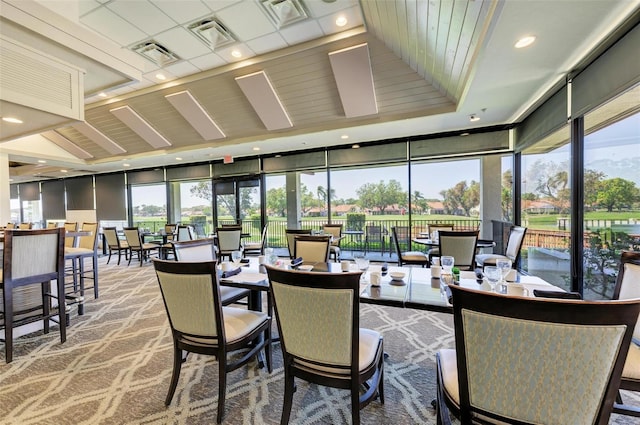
(212, 32)
(284, 12)
(156, 53)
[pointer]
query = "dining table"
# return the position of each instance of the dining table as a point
(482, 243)
(416, 289)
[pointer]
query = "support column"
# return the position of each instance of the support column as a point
(490, 193)
(294, 205)
(5, 193)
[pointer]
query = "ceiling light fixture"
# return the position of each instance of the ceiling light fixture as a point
(126, 165)
(355, 146)
(341, 21)
(42, 161)
(344, 137)
(474, 118)
(102, 94)
(256, 148)
(63, 171)
(12, 120)
(236, 54)
(525, 41)
(464, 134)
(178, 158)
(161, 77)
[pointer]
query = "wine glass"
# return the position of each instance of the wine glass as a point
(504, 265)
(236, 256)
(447, 262)
(493, 275)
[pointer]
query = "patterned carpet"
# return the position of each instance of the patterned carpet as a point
(116, 365)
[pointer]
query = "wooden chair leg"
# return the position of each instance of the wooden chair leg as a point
(289, 389)
(222, 385)
(175, 374)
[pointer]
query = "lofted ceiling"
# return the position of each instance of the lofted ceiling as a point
(396, 68)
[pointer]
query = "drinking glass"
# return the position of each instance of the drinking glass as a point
(362, 262)
(493, 275)
(236, 256)
(447, 262)
(504, 265)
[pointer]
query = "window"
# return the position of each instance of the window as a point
(149, 206)
(191, 203)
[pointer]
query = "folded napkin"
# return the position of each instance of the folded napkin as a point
(230, 273)
(557, 294)
(296, 262)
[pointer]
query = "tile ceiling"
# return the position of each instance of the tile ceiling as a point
(427, 64)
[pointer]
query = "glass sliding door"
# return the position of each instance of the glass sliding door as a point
(191, 204)
(238, 200)
(546, 209)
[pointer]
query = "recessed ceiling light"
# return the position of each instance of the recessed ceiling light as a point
(341, 21)
(256, 148)
(12, 120)
(474, 118)
(356, 146)
(42, 161)
(344, 137)
(126, 165)
(525, 41)
(236, 54)
(178, 158)
(102, 94)
(161, 77)
(63, 171)
(464, 134)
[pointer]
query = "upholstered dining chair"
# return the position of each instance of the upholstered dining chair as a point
(628, 287)
(512, 251)
(401, 234)
(334, 230)
(256, 247)
(184, 233)
(141, 249)
(312, 249)
(434, 230)
(205, 250)
(25, 226)
(10, 226)
(459, 245)
(115, 244)
(321, 339)
(200, 324)
(229, 240)
(70, 227)
(33, 257)
(86, 247)
(505, 368)
(291, 237)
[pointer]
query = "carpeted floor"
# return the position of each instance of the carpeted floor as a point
(116, 365)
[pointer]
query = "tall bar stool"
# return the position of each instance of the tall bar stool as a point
(85, 248)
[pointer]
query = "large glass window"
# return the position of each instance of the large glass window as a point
(14, 205)
(545, 209)
(191, 204)
(506, 196)
(611, 194)
(149, 206)
(32, 212)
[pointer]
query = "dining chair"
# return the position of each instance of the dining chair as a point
(334, 230)
(184, 233)
(318, 319)
(228, 240)
(70, 227)
(291, 235)
(115, 244)
(434, 230)
(512, 251)
(628, 287)
(199, 250)
(461, 245)
(407, 257)
(25, 226)
(85, 247)
(505, 367)
(200, 324)
(373, 236)
(32, 257)
(134, 240)
(312, 249)
(256, 247)
(52, 225)
(10, 226)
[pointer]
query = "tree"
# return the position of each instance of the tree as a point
(461, 197)
(381, 195)
(617, 193)
(551, 181)
(419, 201)
(277, 201)
(307, 201)
(506, 195)
(592, 181)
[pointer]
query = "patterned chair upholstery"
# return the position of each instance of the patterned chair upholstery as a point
(205, 250)
(31, 257)
(461, 246)
(115, 244)
(434, 230)
(628, 287)
(312, 249)
(291, 238)
(322, 342)
(215, 330)
(533, 361)
(255, 247)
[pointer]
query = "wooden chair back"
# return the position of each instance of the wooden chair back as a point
(461, 246)
(195, 250)
(312, 249)
(291, 235)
